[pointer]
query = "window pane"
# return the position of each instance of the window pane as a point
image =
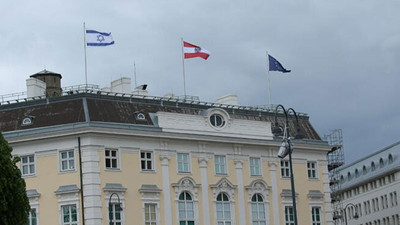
(63, 155)
(31, 159)
(114, 163)
(71, 154)
(24, 169)
(64, 165)
(113, 153)
(24, 159)
(149, 166)
(32, 168)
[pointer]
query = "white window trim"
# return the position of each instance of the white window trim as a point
(280, 169)
(321, 212)
(34, 165)
(225, 163)
(114, 199)
(260, 167)
(119, 164)
(284, 212)
(61, 213)
(259, 186)
(153, 156)
(68, 199)
(34, 204)
(187, 184)
(189, 160)
(60, 164)
(157, 204)
(224, 186)
(316, 171)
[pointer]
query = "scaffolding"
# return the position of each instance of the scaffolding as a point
(335, 161)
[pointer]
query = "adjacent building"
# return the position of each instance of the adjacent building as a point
(369, 189)
(92, 156)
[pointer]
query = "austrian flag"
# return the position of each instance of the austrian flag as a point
(192, 51)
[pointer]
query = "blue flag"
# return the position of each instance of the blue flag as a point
(274, 65)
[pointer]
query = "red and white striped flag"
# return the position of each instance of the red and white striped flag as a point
(192, 51)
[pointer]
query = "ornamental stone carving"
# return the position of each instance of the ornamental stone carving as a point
(225, 186)
(186, 184)
(258, 187)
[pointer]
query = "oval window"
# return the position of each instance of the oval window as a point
(217, 120)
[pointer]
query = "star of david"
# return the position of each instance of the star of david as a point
(197, 49)
(100, 38)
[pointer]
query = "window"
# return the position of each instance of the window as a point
(316, 215)
(223, 210)
(255, 169)
(312, 169)
(217, 120)
(150, 214)
(32, 217)
(348, 176)
(390, 158)
(364, 170)
(183, 163)
(111, 158)
(185, 207)
(67, 160)
(381, 163)
(146, 160)
(27, 121)
(28, 165)
(356, 173)
(257, 210)
(289, 216)
(220, 164)
(69, 215)
(114, 214)
(373, 166)
(285, 169)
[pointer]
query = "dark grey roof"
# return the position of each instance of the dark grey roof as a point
(32, 193)
(114, 187)
(45, 72)
(112, 109)
(67, 189)
(149, 188)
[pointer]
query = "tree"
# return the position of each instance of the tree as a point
(14, 204)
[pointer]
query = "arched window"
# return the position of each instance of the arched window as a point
(342, 179)
(186, 210)
(381, 163)
(223, 210)
(356, 173)
(348, 176)
(364, 170)
(390, 158)
(372, 166)
(257, 210)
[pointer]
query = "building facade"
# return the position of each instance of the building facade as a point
(370, 187)
(95, 157)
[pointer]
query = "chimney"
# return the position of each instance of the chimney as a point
(141, 90)
(35, 87)
(228, 100)
(52, 81)
(122, 85)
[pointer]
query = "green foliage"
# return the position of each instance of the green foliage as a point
(14, 204)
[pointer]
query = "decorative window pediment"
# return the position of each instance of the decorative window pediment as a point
(258, 187)
(186, 184)
(225, 186)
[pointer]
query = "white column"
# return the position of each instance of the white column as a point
(204, 190)
(166, 189)
(274, 192)
(239, 175)
(91, 185)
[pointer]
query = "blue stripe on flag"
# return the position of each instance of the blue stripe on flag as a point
(97, 32)
(100, 44)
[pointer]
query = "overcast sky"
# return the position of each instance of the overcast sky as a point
(344, 55)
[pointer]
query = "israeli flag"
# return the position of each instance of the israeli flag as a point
(96, 38)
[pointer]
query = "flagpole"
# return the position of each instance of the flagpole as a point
(183, 67)
(134, 72)
(269, 82)
(84, 47)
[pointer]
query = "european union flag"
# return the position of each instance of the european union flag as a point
(274, 65)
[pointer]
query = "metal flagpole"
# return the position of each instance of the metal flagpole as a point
(84, 47)
(134, 72)
(269, 82)
(183, 66)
